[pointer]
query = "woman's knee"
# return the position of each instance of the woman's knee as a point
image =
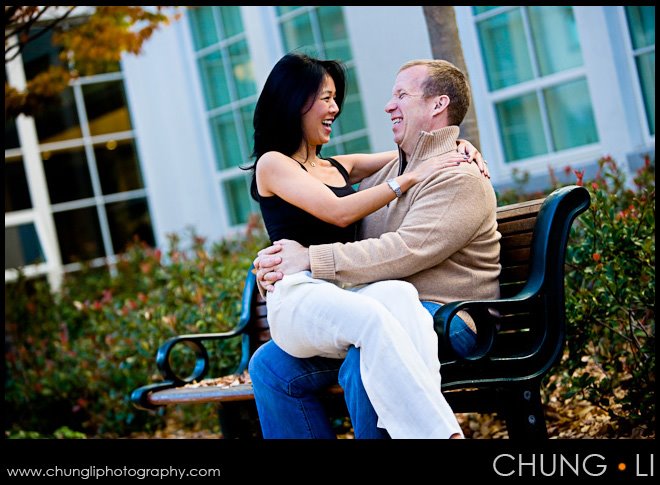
(393, 290)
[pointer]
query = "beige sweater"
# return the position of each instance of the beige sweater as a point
(441, 236)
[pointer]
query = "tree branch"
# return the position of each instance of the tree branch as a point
(26, 28)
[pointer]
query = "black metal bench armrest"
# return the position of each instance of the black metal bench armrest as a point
(485, 314)
(140, 396)
(195, 342)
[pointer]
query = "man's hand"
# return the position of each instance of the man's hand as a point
(283, 257)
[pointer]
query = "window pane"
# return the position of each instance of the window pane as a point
(333, 33)
(79, 234)
(106, 107)
(118, 167)
(128, 220)
(237, 197)
(478, 10)
(646, 70)
(570, 115)
(351, 117)
(214, 81)
(247, 114)
(225, 141)
(58, 120)
(298, 35)
(641, 23)
(17, 193)
(281, 10)
(521, 128)
(241, 68)
(67, 175)
(358, 145)
(11, 134)
(555, 38)
(504, 50)
(202, 26)
(22, 246)
(231, 20)
(39, 54)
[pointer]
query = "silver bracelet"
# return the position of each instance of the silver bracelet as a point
(394, 185)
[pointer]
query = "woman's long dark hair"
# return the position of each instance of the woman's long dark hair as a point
(295, 80)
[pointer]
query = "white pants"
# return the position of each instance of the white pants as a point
(398, 346)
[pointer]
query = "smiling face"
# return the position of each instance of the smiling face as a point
(317, 120)
(409, 110)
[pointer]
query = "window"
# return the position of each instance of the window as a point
(321, 32)
(230, 95)
(96, 194)
(230, 90)
(641, 24)
(535, 73)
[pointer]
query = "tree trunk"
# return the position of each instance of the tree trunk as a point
(445, 44)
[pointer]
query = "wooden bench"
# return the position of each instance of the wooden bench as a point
(520, 336)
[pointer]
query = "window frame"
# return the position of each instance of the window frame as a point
(634, 80)
(42, 212)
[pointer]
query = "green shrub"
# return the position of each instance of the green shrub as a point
(610, 298)
(610, 295)
(74, 357)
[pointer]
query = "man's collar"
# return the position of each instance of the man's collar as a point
(402, 161)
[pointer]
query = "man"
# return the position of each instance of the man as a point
(441, 236)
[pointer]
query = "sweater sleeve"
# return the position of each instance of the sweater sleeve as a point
(445, 215)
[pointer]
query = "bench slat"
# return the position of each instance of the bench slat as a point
(212, 394)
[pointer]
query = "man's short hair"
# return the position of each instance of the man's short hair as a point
(445, 78)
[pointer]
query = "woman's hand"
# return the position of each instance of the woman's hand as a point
(429, 167)
(467, 148)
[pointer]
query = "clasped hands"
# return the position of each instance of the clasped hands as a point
(283, 257)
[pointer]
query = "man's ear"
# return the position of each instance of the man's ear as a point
(441, 103)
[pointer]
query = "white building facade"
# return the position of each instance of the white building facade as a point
(156, 146)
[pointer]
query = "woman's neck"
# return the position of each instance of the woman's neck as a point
(306, 155)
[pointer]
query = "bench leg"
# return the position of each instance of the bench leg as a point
(239, 419)
(523, 413)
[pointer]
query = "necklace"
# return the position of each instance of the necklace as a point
(312, 163)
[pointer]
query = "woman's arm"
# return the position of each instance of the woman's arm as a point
(361, 165)
(279, 175)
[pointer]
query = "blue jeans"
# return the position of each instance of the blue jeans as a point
(286, 389)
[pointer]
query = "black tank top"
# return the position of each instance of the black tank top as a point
(286, 221)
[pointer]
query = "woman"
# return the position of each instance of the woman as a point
(310, 199)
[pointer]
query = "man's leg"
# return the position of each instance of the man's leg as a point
(363, 416)
(463, 340)
(285, 391)
(362, 413)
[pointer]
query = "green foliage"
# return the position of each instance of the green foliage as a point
(63, 433)
(74, 357)
(610, 298)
